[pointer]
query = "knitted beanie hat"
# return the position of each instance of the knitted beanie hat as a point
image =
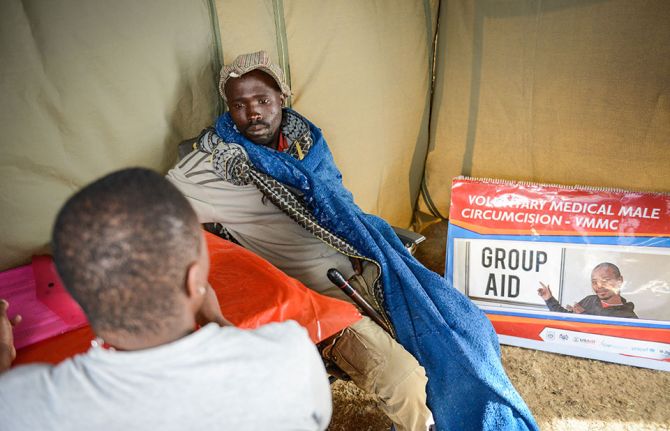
(245, 63)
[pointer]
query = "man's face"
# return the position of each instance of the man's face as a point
(255, 106)
(605, 283)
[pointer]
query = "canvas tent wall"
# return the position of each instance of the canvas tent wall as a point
(557, 91)
(90, 86)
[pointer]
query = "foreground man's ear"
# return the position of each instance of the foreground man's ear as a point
(201, 297)
(195, 287)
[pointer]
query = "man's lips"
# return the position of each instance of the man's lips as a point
(256, 128)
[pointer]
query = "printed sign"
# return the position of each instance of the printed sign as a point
(566, 269)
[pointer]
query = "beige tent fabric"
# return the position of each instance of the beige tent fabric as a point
(362, 78)
(555, 91)
(90, 86)
(246, 26)
(569, 92)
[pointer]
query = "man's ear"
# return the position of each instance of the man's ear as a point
(196, 284)
(192, 278)
(197, 273)
(282, 98)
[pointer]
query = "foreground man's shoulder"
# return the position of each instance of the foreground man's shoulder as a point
(288, 329)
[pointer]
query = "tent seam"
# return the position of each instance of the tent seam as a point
(431, 70)
(282, 43)
(217, 62)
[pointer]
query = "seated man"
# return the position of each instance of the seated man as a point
(606, 282)
(131, 252)
(267, 176)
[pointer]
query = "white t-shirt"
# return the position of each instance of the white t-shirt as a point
(259, 226)
(214, 379)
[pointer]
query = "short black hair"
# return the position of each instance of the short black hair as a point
(609, 266)
(122, 246)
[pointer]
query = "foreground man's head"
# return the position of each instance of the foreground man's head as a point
(130, 251)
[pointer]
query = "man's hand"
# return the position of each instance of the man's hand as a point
(578, 309)
(544, 291)
(7, 350)
(210, 310)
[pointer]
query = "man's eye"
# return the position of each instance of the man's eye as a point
(264, 101)
(238, 106)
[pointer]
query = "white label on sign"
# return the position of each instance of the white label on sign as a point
(511, 271)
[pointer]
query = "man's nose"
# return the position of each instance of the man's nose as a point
(254, 116)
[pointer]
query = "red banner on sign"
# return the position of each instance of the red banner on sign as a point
(517, 208)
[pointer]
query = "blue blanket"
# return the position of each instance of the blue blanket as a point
(444, 330)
